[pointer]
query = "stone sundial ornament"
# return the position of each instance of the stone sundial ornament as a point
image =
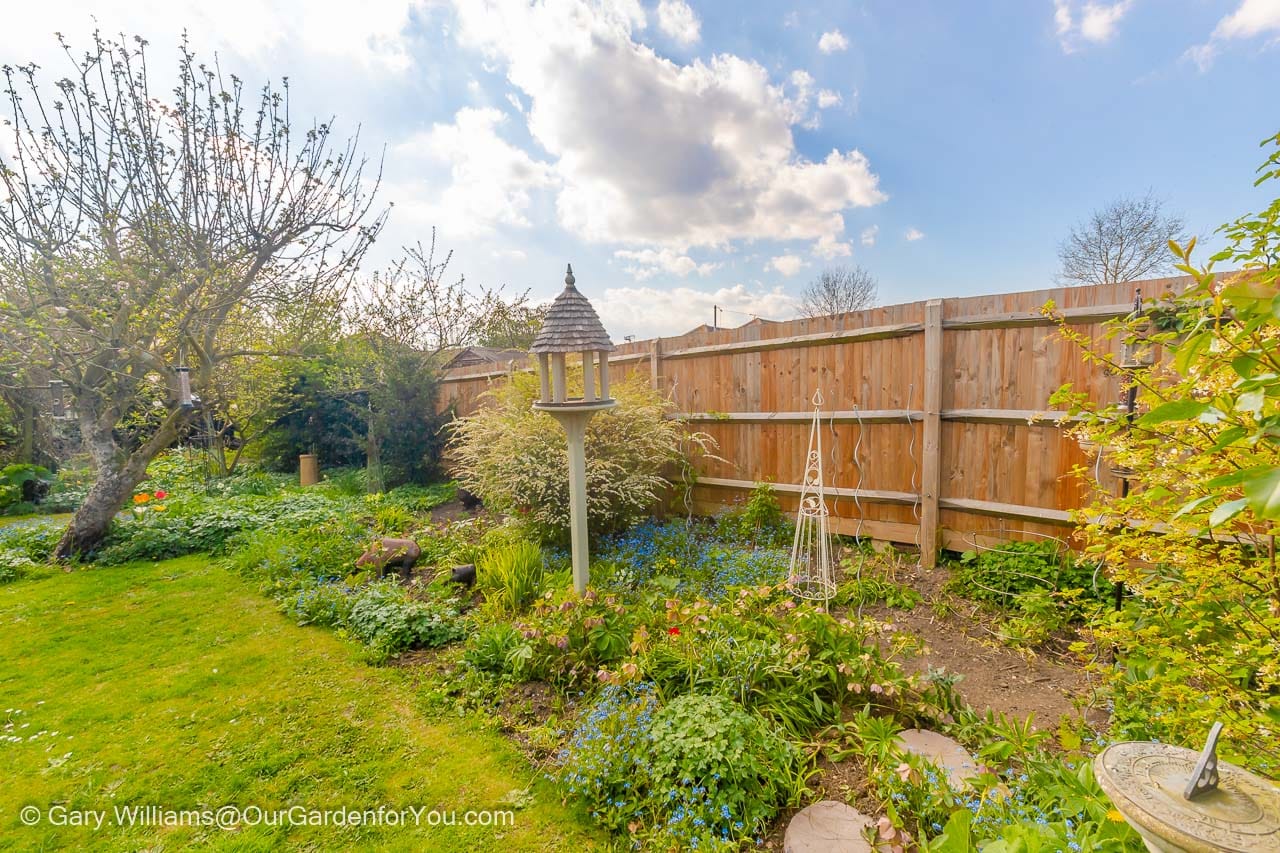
(1181, 801)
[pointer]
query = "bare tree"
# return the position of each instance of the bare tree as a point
(839, 290)
(133, 226)
(406, 319)
(1127, 240)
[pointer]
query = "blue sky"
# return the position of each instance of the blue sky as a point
(684, 153)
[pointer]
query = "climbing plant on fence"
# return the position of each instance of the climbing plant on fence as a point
(1195, 539)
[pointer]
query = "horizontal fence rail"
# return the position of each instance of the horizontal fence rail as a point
(937, 428)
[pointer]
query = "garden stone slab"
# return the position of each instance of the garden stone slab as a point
(942, 751)
(828, 827)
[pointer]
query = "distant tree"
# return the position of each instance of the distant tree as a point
(1128, 240)
(512, 326)
(405, 320)
(839, 290)
(136, 226)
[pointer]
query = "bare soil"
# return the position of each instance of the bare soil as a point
(1043, 685)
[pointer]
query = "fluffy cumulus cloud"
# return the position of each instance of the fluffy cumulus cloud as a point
(491, 182)
(652, 153)
(648, 312)
(869, 235)
(1252, 18)
(833, 42)
(256, 30)
(788, 265)
(646, 263)
(913, 234)
(1091, 22)
(679, 21)
(827, 99)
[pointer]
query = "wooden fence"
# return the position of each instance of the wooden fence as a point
(936, 421)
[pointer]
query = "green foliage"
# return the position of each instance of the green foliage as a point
(498, 649)
(1193, 541)
(514, 458)
(19, 485)
(384, 618)
(292, 558)
(324, 603)
(699, 772)
(759, 522)
(315, 416)
(196, 523)
(728, 769)
(872, 589)
(1000, 573)
(510, 576)
(14, 564)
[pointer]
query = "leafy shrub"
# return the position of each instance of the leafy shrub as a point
(999, 574)
(758, 522)
(513, 457)
(20, 485)
(289, 560)
(195, 523)
(871, 589)
(573, 637)
(792, 663)
(34, 541)
(1193, 540)
(422, 499)
(384, 618)
(325, 603)
(510, 575)
(498, 649)
(14, 564)
(698, 773)
(716, 772)
(68, 490)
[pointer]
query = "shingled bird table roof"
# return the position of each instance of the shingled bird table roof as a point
(571, 324)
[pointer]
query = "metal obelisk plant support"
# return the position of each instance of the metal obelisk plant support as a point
(571, 326)
(811, 575)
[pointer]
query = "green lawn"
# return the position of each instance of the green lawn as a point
(177, 685)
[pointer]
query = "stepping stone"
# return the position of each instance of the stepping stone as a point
(828, 827)
(942, 751)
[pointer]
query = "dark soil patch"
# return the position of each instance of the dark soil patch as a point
(960, 638)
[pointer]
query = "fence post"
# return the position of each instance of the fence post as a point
(931, 466)
(655, 364)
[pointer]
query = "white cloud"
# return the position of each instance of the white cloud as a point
(788, 265)
(679, 21)
(1251, 18)
(833, 42)
(654, 153)
(491, 182)
(256, 30)
(647, 263)
(913, 234)
(827, 99)
(829, 247)
(1091, 22)
(648, 312)
(869, 235)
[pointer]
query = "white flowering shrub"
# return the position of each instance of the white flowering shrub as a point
(515, 459)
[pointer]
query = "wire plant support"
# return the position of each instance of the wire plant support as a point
(811, 575)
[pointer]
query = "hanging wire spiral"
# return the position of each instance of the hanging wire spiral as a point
(811, 575)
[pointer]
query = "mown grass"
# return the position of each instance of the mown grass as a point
(177, 685)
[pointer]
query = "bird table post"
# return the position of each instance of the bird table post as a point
(571, 326)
